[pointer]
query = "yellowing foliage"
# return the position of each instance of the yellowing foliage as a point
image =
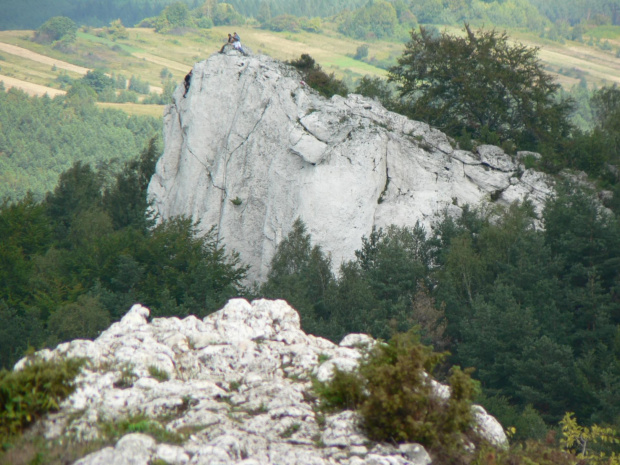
(579, 439)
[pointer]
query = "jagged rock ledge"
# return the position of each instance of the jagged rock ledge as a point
(237, 387)
(252, 148)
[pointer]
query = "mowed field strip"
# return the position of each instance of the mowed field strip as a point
(34, 89)
(30, 55)
(29, 87)
(607, 72)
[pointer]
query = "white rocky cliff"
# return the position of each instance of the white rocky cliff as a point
(252, 148)
(234, 388)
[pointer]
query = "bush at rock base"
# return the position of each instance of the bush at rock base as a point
(344, 391)
(398, 403)
(395, 396)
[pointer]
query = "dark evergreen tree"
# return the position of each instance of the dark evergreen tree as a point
(80, 259)
(606, 103)
(301, 274)
(126, 202)
(78, 190)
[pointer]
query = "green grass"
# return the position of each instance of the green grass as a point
(349, 63)
(140, 424)
(107, 41)
(158, 374)
(604, 32)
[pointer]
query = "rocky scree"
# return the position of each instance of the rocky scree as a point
(237, 390)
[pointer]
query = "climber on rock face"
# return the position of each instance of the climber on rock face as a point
(188, 81)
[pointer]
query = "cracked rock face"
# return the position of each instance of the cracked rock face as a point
(237, 389)
(252, 148)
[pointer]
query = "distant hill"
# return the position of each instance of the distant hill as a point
(30, 14)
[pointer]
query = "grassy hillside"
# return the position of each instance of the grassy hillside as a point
(146, 54)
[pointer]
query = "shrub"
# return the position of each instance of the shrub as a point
(286, 22)
(28, 394)
(57, 28)
(117, 30)
(401, 405)
(582, 441)
(288, 432)
(126, 378)
(326, 84)
(345, 391)
(361, 52)
(393, 393)
(528, 453)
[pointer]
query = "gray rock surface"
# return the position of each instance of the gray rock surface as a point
(238, 391)
(252, 148)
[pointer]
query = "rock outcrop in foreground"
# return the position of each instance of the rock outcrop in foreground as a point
(252, 148)
(237, 392)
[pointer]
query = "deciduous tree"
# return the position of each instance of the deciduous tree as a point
(482, 84)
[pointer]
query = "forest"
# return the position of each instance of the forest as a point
(73, 262)
(356, 18)
(42, 137)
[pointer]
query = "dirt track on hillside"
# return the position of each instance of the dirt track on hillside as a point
(29, 87)
(25, 53)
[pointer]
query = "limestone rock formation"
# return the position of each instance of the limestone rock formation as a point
(233, 388)
(252, 148)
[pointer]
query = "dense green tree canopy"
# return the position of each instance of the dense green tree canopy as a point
(481, 84)
(57, 28)
(42, 137)
(71, 264)
(31, 14)
(575, 11)
(534, 311)
(300, 274)
(376, 20)
(606, 103)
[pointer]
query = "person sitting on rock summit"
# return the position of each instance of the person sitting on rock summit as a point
(237, 43)
(231, 39)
